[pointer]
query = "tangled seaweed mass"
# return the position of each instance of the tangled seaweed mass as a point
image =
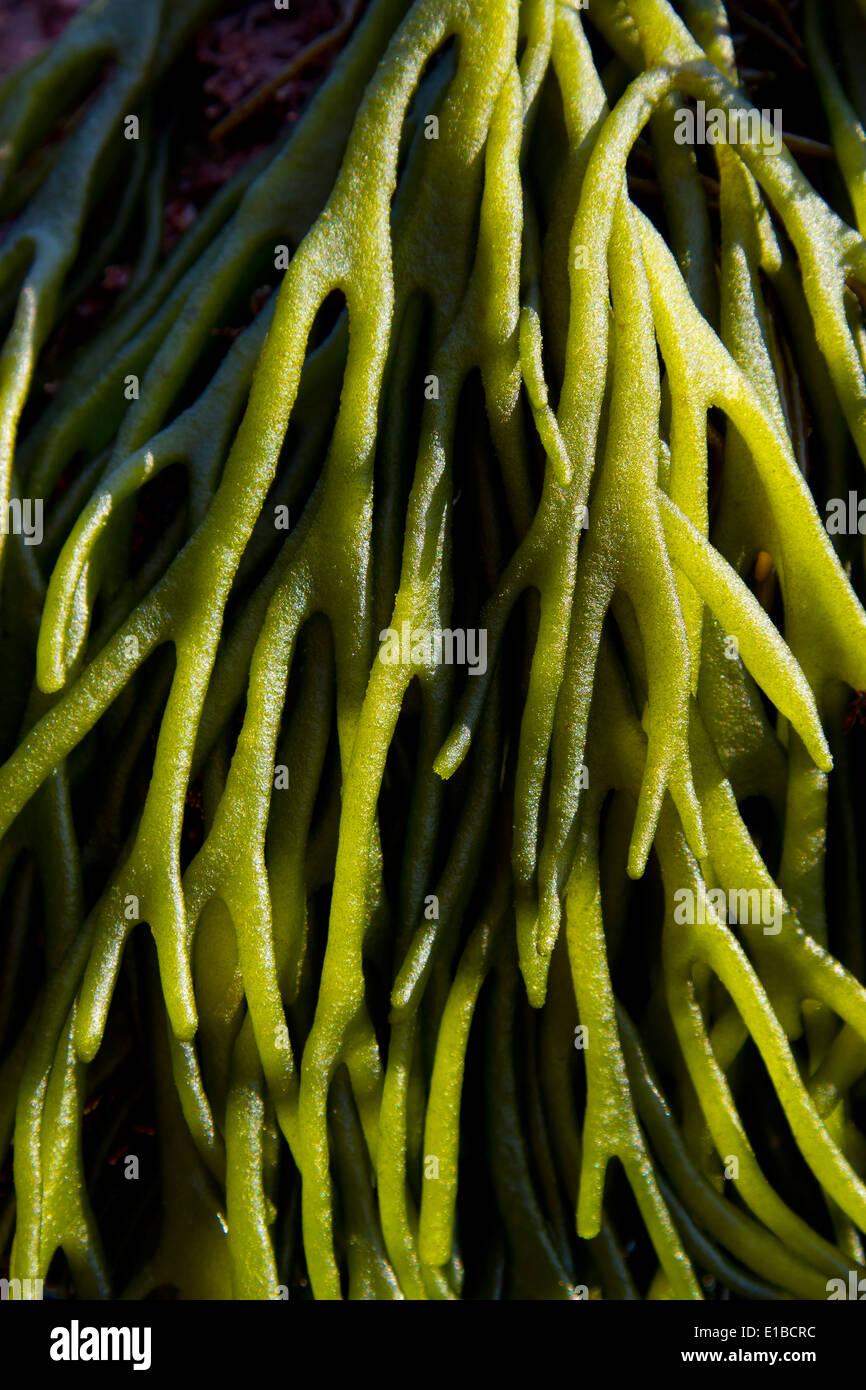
(430, 787)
